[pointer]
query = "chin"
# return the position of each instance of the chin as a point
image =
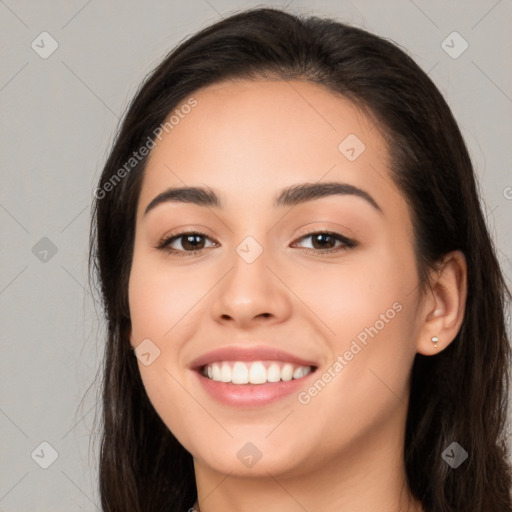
(255, 459)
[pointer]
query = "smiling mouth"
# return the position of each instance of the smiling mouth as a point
(254, 372)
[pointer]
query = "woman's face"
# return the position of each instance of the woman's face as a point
(321, 281)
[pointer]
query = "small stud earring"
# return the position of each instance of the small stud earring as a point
(435, 340)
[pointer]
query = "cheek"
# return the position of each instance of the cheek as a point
(160, 301)
(166, 308)
(350, 295)
(368, 310)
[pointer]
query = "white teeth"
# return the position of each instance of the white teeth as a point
(240, 374)
(225, 373)
(257, 373)
(274, 373)
(298, 372)
(216, 372)
(287, 372)
(254, 372)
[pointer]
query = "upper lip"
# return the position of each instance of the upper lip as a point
(249, 353)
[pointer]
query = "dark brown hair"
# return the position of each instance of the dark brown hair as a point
(458, 395)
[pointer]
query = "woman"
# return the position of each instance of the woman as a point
(305, 310)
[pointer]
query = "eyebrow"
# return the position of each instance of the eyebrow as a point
(290, 196)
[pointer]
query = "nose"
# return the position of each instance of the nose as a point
(252, 294)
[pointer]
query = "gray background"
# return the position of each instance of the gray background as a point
(58, 117)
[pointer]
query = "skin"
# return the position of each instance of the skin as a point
(343, 450)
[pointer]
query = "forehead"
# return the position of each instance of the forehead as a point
(244, 137)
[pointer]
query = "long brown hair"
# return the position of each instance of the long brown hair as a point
(458, 395)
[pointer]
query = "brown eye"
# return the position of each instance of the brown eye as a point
(189, 242)
(324, 241)
(192, 242)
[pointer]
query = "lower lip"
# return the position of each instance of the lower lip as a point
(251, 395)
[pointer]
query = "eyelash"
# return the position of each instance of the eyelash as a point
(347, 243)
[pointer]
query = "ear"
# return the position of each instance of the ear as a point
(444, 304)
